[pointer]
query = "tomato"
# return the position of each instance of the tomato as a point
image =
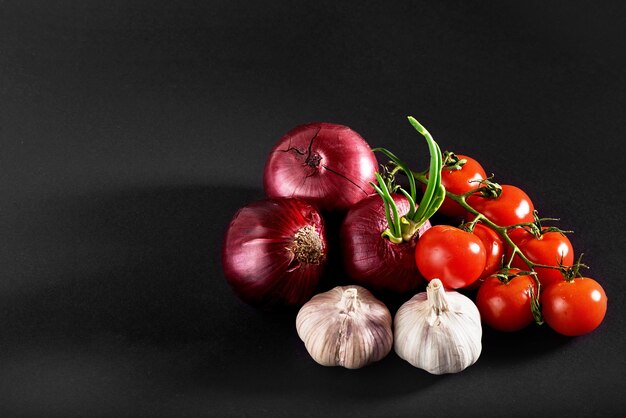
(513, 206)
(517, 235)
(459, 182)
(495, 249)
(505, 306)
(574, 307)
(548, 249)
(454, 256)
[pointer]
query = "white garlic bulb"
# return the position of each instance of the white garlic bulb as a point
(438, 330)
(346, 326)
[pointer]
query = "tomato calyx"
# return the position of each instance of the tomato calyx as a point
(570, 273)
(488, 189)
(469, 226)
(452, 162)
(544, 249)
(506, 274)
(403, 228)
(535, 304)
(504, 209)
(388, 173)
(536, 228)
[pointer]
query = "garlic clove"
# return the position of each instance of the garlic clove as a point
(438, 330)
(345, 326)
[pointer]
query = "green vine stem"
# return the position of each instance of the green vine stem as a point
(461, 199)
(505, 275)
(452, 162)
(403, 228)
(574, 271)
(532, 227)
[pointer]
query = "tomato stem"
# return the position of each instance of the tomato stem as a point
(469, 226)
(452, 162)
(535, 305)
(574, 271)
(461, 199)
(433, 197)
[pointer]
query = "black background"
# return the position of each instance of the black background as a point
(132, 131)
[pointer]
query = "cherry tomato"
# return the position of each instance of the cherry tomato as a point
(459, 182)
(454, 256)
(513, 206)
(517, 235)
(505, 306)
(495, 249)
(574, 307)
(548, 249)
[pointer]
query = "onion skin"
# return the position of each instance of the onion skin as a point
(260, 258)
(373, 261)
(328, 165)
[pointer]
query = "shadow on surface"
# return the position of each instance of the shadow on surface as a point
(133, 280)
(143, 264)
(501, 348)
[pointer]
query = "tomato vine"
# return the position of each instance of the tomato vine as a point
(402, 228)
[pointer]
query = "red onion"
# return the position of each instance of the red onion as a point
(373, 261)
(274, 252)
(328, 165)
(379, 233)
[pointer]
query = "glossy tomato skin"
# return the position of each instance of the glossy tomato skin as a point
(506, 306)
(517, 235)
(459, 182)
(494, 247)
(454, 256)
(574, 307)
(547, 249)
(513, 206)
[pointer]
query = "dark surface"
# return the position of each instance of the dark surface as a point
(131, 132)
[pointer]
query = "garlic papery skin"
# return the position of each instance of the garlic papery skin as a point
(438, 330)
(345, 326)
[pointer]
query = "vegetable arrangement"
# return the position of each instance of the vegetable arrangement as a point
(500, 266)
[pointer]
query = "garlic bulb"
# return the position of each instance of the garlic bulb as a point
(438, 330)
(346, 326)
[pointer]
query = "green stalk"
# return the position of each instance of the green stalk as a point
(461, 199)
(407, 171)
(404, 228)
(393, 232)
(432, 198)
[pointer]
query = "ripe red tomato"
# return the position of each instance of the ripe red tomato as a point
(495, 249)
(574, 307)
(454, 256)
(513, 206)
(517, 235)
(506, 306)
(459, 182)
(548, 249)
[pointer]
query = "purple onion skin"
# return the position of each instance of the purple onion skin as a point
(328, 165)
(375, 262)
(256, 255)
